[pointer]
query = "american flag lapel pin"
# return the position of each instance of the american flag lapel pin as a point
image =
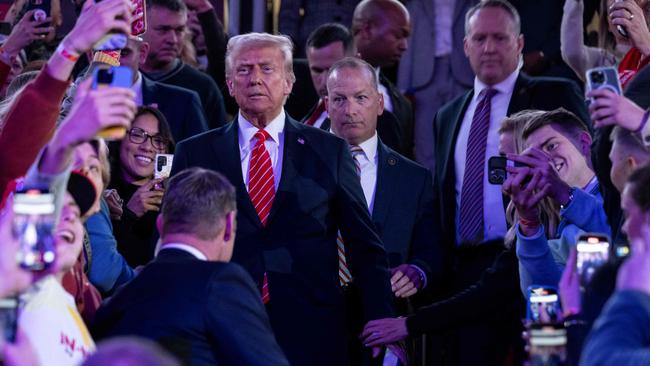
(301, 141)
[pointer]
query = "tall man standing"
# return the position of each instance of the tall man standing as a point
(296, 186)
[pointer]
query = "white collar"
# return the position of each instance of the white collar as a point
(186, 248)
(138, 82)
(369, 147)
(247, 130)
(505, 87)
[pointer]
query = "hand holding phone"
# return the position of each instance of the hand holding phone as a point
(603, 78)
(33, 225)
(543, 305)
(593, 252)
(112, 77)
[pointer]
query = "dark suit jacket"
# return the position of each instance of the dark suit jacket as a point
(387, 128)
(528, 93)
(403, 213)
(319, 192)
(181, 107)
(303, 95)
(403, 111)
(205, 313)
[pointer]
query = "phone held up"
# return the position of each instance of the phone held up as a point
(497, 172)
(593, 252)
(163, 168)
(116, 41)
(116, 77)
(547, 335)
(33, 226)
(603, 78)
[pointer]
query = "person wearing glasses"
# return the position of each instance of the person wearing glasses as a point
(138, 194)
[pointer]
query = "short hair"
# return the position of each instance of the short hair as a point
(176, 6)
(329, 33)
(515, 124)
(356, 64)
(630, 142)
(196, 202)
(246, 41)
(130, 350)
(638, 184)
(163, 126)
(502, 4)
(565, 122)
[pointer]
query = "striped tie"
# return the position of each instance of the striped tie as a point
(261, 188)
(471, 197)
(344, 273)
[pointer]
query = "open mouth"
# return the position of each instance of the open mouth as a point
(67, 235)
(144, 159)
(558, 166)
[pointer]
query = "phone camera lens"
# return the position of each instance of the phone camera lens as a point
(598, 77)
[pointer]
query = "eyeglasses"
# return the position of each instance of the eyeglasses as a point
(139, 136)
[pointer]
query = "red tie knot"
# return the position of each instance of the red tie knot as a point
(262, 135)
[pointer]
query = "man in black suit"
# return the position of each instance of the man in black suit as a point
(296, 186)
(381, 29)
(181, 107)
(328, 44)
(474, 229)
(403, 217)
(190, 300)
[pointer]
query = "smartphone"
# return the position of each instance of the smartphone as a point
(547, 344)
(5, 28)
(593, 252)
(497, 172)
(544, 305)
(33, 227)
(603, 78)
(112, 77)
(42, 10)
(139, 26)
(619, 28)
(163, 166)
(9, 318)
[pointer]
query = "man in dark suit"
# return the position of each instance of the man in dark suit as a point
(190, 300)
(296, 186)
(181, 107)
(381, 29)
(471, 216)
(328, 44)
(403, 217)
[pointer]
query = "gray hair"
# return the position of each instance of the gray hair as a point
(242, 42)
(356, 64)
(502, 4)
(196, 202)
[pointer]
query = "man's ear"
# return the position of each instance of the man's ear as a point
(159, 224)
(585, 143)
(229, 226)
(144, 52)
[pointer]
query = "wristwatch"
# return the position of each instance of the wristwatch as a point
(571, 192)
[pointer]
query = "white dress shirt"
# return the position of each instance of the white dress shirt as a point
(368, 163)
(494, 217)
(137, 89)
(323, 116)
(388, 103)
(274, 145)
(186, 248)
(444, 11)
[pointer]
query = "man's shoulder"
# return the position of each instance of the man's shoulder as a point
(315, 135)
(161, 89)
(193, 75)
(206, 138)
(405, 165)
(454, 106)
(547, 82)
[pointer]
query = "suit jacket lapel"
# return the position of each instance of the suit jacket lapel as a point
(147, 90)
(290, 161)
(452, 136)
(521, 98)
(387, 177)
(226, 151)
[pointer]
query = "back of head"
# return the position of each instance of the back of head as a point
(502, 4)
(256, 40)
(638, 184)
(130, 351)
(176, 6)
(561, 120)
(329, 33)
(630, 143)
(196, 203)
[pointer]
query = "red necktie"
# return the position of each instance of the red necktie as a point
(320, 108)
(261, 188)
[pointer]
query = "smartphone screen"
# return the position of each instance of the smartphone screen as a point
(593, 252)
(8, 318)
(33, 226)
(547, 344)
(543, 305)
(42, 9)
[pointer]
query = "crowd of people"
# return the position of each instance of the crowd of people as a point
(427, 176)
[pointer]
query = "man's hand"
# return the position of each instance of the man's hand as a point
(405, 280)
(24, 32)
(114, 202)
(199, 6)
(609, 108)
(96, 20)
(542, 164)
(384, 331)
(635, 272)
(570, 287)
(525, 196)
(146, 198)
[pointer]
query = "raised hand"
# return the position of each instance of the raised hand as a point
(609, 108)
(146, 198)
(25, 32)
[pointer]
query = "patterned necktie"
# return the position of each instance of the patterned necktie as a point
(261, 188)
(320, 108)
(471, 198)
(344, 273)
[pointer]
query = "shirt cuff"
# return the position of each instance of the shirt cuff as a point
(423, 275)
(539, 233)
